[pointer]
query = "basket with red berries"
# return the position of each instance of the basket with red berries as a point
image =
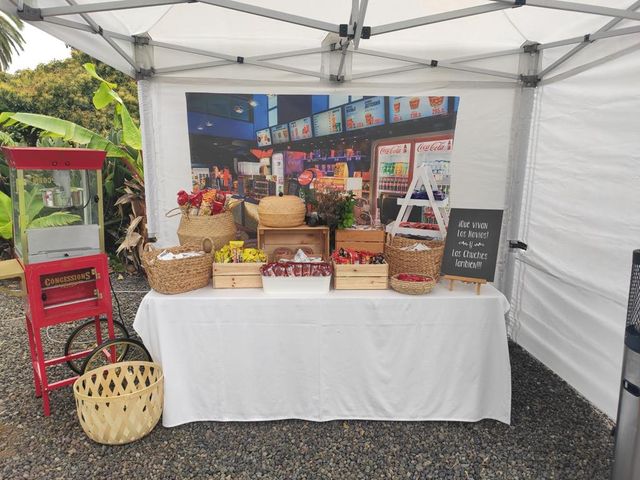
(412, 283)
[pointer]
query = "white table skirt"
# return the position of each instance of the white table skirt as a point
(243, 355)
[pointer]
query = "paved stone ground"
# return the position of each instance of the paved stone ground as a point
(555, 434)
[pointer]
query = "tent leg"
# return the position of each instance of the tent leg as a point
(523, 111)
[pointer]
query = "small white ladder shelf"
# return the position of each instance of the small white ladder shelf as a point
(423, 176)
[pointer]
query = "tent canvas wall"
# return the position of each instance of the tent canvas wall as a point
(547, 127)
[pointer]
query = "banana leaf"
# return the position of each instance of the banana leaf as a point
(73, 133)
(6, 230)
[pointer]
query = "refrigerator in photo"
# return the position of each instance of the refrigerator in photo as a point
(394, 166)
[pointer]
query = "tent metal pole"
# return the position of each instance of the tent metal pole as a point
(595, 63)
(437, 18)
(284, 68)
(596, 36)
(195, 51)
(354, 11)
(292, 53)
(436, 63)
(575, 7)
(97, 29)
(612, 23)
(387, 71)
(194, 66)
(362, 11)
(343, 58)
(523, 111)
(105, 7)
(274, 14)
(482, 56)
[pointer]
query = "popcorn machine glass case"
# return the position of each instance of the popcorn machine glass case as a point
(57, 203)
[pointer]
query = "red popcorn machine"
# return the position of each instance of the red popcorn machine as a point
(58, 236)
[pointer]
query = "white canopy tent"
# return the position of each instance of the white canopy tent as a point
(547, 127)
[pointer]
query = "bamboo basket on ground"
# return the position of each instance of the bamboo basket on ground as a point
(121, 402)
(177, 276)
(426, 262)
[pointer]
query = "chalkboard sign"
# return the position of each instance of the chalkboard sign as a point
(471, 248)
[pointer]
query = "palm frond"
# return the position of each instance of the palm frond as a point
(56, 219)
(11, 41)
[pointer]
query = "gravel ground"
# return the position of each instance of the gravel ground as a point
(555, 434)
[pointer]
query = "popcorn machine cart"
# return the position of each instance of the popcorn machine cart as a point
(59, 247)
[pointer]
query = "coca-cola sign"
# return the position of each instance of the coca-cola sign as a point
(393, 149)
(434, 146)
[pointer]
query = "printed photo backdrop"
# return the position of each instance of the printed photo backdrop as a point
(258, 145)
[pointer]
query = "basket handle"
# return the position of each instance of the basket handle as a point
(173, 213)
(211, 245)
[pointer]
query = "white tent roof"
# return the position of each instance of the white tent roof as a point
(185, 37)
(562, 160)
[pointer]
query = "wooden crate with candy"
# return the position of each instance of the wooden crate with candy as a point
(238, 267)
(359, 270)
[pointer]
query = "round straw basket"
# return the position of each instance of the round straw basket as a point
(412, 288)
(286, 211)
(121, 402)
(219, 228)
(180, 275)
(426, 262)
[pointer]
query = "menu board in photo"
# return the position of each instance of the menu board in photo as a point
(300, 129)
(364, 113)
(402, 109)
(280, 134)
(263, 137)
(327, 123)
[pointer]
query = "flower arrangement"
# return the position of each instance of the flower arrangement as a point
(203, 202)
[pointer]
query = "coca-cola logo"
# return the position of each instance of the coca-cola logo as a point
(393, 149)
(437, 146)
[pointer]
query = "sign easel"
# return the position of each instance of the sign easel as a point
(471, 247)
(452, 278)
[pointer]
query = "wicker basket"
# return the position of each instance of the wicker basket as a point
(426, 262)
(121, 402)
(177, 276)
(285, 211)
(220, 228)
(412, 288)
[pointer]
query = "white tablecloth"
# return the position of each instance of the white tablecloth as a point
(246, 355)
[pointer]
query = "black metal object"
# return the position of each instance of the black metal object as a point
(626, 463)
(518, 244)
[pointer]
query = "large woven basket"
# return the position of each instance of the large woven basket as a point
(121, 402)
(220, 228)
(411, 288)
(177, 276)
(284, 211)
(426, 262)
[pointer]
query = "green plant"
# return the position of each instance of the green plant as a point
(11, 40)
(122, 172)
(346, 217)
(6, 227)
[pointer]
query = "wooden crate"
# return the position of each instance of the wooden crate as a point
(237, 275)
(316, 238)
(363, 240)
(360, 277)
